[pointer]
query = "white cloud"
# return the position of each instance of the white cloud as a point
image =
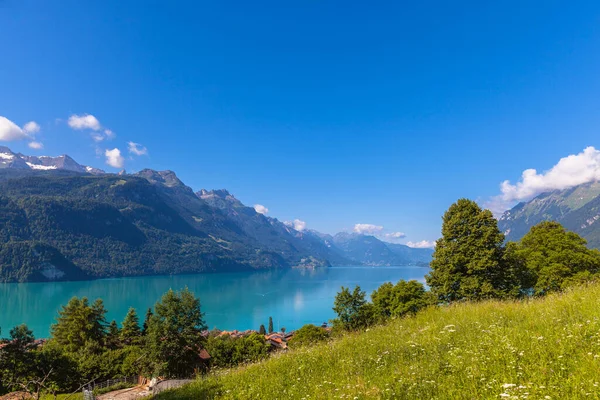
(296, 224)
(97, 137)
(393, 236)
(570, 171)
(9, 131)
(36, 145)
(114, 158)
(423, 244)
(137, 149)
(85, 121)
(367, 228)
(31, 127)
(259, 208)
(91, 123)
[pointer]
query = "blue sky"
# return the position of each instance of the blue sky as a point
(334, 113)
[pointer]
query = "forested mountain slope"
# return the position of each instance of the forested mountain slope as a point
(577, 209)
(63, 221)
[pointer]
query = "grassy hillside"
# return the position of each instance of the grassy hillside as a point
(541, 349)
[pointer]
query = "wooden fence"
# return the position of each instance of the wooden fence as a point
(112, 382)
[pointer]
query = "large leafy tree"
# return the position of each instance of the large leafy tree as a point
(553, 257)
(352, 309)
(79, 323)
(174, 339)
(468, 259)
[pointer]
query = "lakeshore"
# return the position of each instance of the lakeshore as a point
(231, 301)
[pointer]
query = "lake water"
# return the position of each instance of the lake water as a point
(229, 300)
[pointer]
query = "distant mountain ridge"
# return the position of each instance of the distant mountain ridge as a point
(8, 159)
(576, 208)
(60, 220)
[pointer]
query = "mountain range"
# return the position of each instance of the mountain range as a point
(576, 208)
(60, 220)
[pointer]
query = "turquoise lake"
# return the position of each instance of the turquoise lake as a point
(229, 300)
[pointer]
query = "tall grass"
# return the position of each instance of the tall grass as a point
(539, 349)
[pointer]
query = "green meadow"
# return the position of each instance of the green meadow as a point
(544, 348)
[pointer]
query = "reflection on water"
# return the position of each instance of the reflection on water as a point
(230, 300)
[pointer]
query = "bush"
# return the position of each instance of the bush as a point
(400, 299)
(227, 352)
(307, 335)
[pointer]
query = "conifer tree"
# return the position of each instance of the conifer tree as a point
(130, 328)
(262, 330)
(270, 324)
(79, 323)
(112, 337)
(174, 338)
(147, 321)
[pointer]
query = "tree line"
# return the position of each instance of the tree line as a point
(472, 262)
(84, 347)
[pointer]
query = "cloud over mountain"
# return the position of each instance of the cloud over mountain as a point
(570, 171)
(367, 228)
(114, 158)
(31, 127)
(137, 149)
(9, 131)
(90, 122)
(259, 208)
(395, 235)
(85, 121)
(423, 244)
(296, 224)
(36, 145)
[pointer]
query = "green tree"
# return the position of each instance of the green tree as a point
(113, 335)
(78, 323)
(352, 309)
(307, 335)
(16, 359)
(174, 338)
(147, 321)
(383, 300)
(262, 330)
(130, 328)
(468, 260)
(552, 257)
(270, 325)
(406, 297)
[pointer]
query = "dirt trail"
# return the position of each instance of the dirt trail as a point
(126, 394)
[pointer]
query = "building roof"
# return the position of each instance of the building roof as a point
(204, 354)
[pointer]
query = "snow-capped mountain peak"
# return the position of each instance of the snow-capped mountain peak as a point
(9, 159)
